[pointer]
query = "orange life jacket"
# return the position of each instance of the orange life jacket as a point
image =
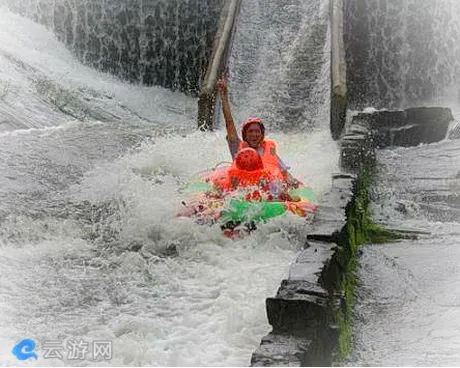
(230, 178)
(243, 178)
(220, 179)
(269, 157)
(227, 179)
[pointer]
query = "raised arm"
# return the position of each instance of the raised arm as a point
(232, 134)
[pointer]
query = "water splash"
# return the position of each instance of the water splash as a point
(401, 54)
(280, 63)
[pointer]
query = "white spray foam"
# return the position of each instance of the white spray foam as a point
(204, 306)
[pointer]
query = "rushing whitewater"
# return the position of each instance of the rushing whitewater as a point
(90, 245)
(404, 54)
(407, 312)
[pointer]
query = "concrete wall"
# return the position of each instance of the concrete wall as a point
(310, 313)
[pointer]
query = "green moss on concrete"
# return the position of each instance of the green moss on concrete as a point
(358, 230)
(345, 340)
(378, 234)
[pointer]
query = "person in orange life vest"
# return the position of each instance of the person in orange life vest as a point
(247, 170)
(253, 134)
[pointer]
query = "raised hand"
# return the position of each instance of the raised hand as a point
(222, 85)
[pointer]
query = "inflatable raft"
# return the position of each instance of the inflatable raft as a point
(243, 206)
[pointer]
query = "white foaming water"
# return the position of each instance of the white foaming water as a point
(280, 62)
(205, 306)
(150, 178)
(407, 312)
(40, 78)
(68, 274)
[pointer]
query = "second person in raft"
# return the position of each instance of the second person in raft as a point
(253, 134)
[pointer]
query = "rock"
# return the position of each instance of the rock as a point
(301, 299)
(303, 311)
(406, 128)
(414, 135)
(428, 115)
(385, 119)
(357, 146)
(331, 217)
(281, 351)
(454, 132)
(310, 262)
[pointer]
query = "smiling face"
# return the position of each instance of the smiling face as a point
(253, 135)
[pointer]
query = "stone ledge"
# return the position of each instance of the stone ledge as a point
(310, 306)
(310, 262)
(331, 217)
(281, 351)
(405, 128)
(302, 313)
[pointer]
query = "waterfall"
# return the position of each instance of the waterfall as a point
(402, 53)
(279, 65)
(153, 42)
